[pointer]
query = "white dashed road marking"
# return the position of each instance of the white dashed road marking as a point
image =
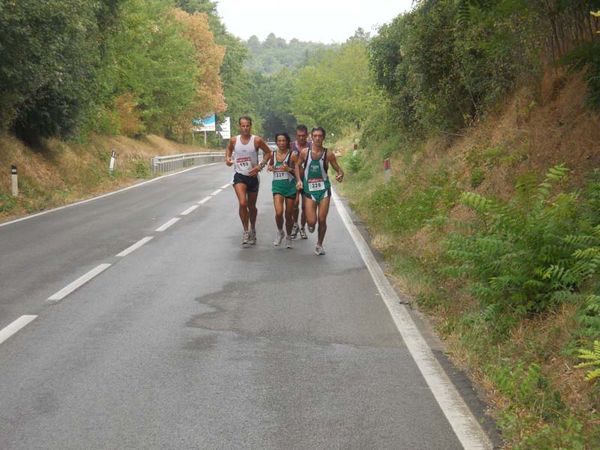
(78, 282)
(166, 225)
(189, 210)
(135, 246)
(216, 192)
(204, 200)
(11, 329)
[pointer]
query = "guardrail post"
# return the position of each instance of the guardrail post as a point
(15, 181)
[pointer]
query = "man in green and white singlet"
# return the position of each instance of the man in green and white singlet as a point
(300, 143)
(315, 183)
(284, 188)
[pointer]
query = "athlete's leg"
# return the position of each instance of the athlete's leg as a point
(310, 209)
(240, 191)
(296, 211)
(289, 215)
(278, 203)
(323, 211)
(252, 211)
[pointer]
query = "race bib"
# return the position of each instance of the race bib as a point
(244, 163)
(280, 175)
(316, 184)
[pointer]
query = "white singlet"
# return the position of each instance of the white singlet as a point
(245, 156)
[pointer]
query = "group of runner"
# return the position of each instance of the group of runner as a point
(299, 179)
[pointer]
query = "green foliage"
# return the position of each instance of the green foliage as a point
(447, 63)
(592, 359)
(353, 162)
(50, 54)
(532, 252)
(7, 203)
(155, 62)
(335, 89)
(274, 54)
(402, 209)
(477, 177)
(141, 169)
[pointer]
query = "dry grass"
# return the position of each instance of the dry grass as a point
(64, 172)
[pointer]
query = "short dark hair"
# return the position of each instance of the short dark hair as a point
(302, 128)
(286, 136)
(318, 129)
(248, 118)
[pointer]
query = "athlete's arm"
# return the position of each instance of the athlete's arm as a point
(297, 164)
(333, 161)
(260, 143)
(229, 151)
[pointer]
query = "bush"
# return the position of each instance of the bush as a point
(532, 252)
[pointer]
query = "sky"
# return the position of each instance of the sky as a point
(325, 21)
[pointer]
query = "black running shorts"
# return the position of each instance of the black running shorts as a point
(250, 182)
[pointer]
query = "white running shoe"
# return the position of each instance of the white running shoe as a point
(295, 229)
(252, 237)
(288, 241)
(245, 238)
(303, 233)
(319, 250)
(311, 229)
(278, 238)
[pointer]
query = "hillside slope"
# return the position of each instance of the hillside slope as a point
(65, 172)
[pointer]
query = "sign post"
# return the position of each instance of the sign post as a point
(205, 124)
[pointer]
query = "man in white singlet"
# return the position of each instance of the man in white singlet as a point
(242, 153)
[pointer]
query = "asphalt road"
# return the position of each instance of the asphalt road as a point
(191, 341)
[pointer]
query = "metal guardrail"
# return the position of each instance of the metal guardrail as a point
(172, 163)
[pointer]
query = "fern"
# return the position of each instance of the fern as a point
(592, 359)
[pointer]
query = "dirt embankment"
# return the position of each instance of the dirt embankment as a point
(64, 172)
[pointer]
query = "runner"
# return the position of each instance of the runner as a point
(316, 185)
(284, 188)
(242, 153)
(297, 146)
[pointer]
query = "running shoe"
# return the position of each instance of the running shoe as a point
(245, 238)
(295, 229)
(288, 242)
(252, 237)
(311, 229)
(303, 233)
(278, 238)
(319, 250)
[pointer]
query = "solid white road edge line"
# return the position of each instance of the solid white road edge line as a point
(78, 282)
(462, 421)
(135, 246)
(225, 186)
(204, 200)
(189, 210)
(15, 326)
(166, 225)
(103, 195)
(216, 192)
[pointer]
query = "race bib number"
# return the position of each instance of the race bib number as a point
(243, 163)
(316, 184)
(280, 175)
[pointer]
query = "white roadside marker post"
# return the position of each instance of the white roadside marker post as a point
(113, 157)
(15, 181)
